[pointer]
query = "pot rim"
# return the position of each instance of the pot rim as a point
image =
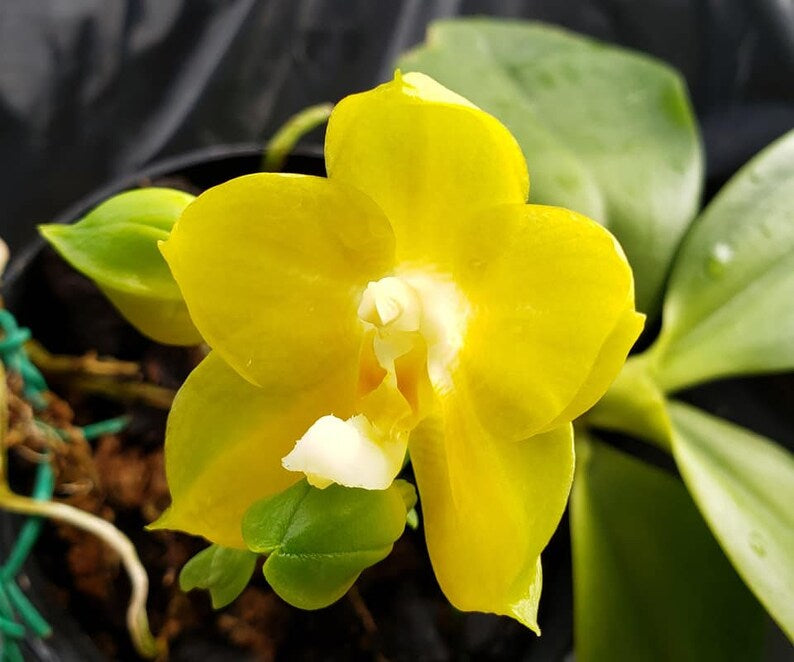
(158, 168)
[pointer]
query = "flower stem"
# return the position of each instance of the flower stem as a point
(137, 620)
(634, 405)
(297, 126)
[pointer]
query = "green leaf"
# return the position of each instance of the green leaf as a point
(224, 572)
(319, 541)
(728, 310)
(650, 582)
(606, 132)
(115, 245)
(744, 486)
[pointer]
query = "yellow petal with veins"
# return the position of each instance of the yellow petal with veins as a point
(553, 317)
(489, 507)
(272, 268)
(225, 440)
(428, 157)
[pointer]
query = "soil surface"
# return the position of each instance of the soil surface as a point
(396, 610)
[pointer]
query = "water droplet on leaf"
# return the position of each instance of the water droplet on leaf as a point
(721, 255)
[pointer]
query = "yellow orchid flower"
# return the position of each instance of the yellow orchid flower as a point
(411, 299)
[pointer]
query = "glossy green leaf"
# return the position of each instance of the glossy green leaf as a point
(729, 309)
(606, 132)
(115, 245)
(650, 582)
(319, 541)
(224, 572)
(744, 486)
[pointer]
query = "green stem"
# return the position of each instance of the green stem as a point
(634, 405)
(285, 139)
(137, 619)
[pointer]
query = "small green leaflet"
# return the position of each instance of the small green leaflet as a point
(224, 572)
(606, 132)
(319, 541)
(115, 245)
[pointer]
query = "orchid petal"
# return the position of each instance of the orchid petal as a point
(553, 317)
(428, 157)
(224, 443)
(272, 268)
(490, 507)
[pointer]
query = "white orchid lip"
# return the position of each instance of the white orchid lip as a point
(349, 453)
(401, 309)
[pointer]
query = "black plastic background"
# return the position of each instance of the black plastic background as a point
(94, 89)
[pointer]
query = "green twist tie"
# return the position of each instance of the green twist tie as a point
(14, 605)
